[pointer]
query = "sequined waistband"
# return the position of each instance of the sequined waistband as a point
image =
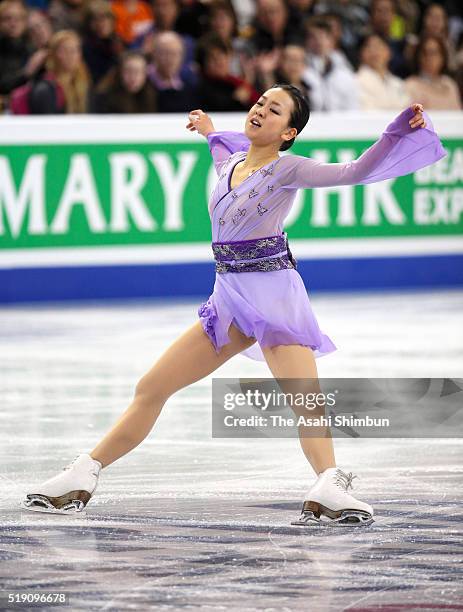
(256, 255)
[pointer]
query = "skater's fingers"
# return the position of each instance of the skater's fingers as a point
(416, 116)
(417, 107)
(418, 123)
(417, 120)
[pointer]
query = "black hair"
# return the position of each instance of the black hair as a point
(318, 23)
(363, 40)
(375, 2)
(207, 43)
(299, 116)
(216, 6)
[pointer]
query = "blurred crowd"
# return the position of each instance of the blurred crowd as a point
(140, 56)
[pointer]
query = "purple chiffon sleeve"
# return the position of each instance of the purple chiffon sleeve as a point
(224, 144)
(400, 150)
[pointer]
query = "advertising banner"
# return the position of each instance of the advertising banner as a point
(104, 191)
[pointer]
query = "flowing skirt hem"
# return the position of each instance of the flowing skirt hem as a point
(216, 327)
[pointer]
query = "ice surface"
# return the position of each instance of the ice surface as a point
(186, 521)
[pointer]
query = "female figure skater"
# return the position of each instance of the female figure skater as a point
(259, 305)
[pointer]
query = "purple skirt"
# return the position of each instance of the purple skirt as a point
(258, 289)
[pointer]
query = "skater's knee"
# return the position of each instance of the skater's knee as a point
(314, 400)
(151, 392)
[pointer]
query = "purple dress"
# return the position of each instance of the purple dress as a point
(273, 306)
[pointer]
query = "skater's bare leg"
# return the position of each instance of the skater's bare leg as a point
(190, 358)
(298, 362)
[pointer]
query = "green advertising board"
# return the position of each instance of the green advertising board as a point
(88, 193)
(110, 206)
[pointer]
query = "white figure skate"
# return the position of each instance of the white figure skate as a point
(68, 492)
(328, 502)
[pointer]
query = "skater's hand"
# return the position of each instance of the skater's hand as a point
(200, 122)
(417, 120)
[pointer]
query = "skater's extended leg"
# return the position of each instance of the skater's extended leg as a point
(190, 358)
(328, 499)
(298, 362)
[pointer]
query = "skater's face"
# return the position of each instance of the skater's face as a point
(268, 120)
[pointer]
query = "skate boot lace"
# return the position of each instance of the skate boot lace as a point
(343, 480)
(71, 464)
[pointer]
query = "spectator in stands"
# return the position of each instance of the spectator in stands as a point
(353, 15)
(292, 67)
(459, 69)
(174, 95)
(30, 97)
(406, 13)
(219, 90)
(101, 45)
(300, 10)
(435, 23)
(193, 18)
(134, 21)
(339, 55)
(273, 28)
(39, 29)
(18, 61)
(382, 18)
(245, 11)
(382, 14)
(378, 88)
(332, 84)
(166, 15)
(431, 84)
(65, 85)
(223, 21)
(289, 68)
(67, 14)
(126, 88)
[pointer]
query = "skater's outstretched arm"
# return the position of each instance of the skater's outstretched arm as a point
(221, 144)
(407, 144)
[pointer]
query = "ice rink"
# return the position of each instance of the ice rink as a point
(186, 521)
